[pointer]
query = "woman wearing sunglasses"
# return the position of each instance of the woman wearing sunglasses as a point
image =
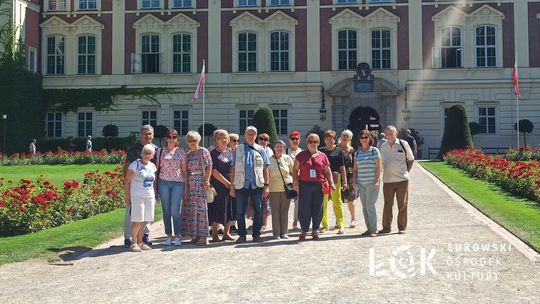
(171, 163)
(366, 176)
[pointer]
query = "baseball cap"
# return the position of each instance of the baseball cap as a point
(294, 133)
(252, 128)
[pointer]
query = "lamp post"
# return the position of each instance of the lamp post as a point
(322, 110)
(4, 117)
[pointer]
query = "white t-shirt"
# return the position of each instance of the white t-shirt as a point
(394, 162)
(142, 184)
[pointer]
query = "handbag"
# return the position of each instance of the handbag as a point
(211, 193)
(326, 187)
(289, 188)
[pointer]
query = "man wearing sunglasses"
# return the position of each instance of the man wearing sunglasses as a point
(249, 175)
(294, 142)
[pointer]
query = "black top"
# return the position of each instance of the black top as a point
(410, 140)
(134, 153)
(335, 157)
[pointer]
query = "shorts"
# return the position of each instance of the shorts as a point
(142, 209)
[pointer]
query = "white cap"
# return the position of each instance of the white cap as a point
(252, 128)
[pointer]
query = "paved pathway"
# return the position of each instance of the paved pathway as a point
(335, 269)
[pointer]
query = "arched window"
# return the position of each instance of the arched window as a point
(347, 50)
(451, 47)
(150, 58)
(247, 52)
(486, 48)
(86, 58)
(381, 53)
(55, 55)
(279, 51)
(182, 53)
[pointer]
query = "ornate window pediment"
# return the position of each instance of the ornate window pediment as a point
(450, 16)
(149, 23)
(346, 18)
(87, 25)
(55, 25)
(280, 19)
(182, 23)
(487, 14)
(246, 21)
(381, 17)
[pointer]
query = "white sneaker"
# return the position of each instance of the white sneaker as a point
(145, 247)
(353, 224)
(341, 231)
(167, 242)
(177, 241)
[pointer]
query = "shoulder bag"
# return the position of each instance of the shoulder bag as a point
(211, 193)
(289, 188)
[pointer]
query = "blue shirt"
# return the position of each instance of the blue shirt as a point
(365, 165)
(249, 169)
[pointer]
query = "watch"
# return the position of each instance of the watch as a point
(265, 184)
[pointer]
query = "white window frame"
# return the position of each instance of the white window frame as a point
(160, 55)
(78, 4)
(148, 121)
(47, 6)
(280, 51)
(247, 52)
(242, 129)
(281, 3)
(141, 6)
(495, 116)
(238, 3)
(180, 120)
(54, 121)
(172, 6)
(182, 53)
(348, 49)
(56, 56)
(381, 49)
(345, 2)
(87, 55)
(452, 46)
(32, 60)
(287, 122)
(485, 46)
(85, 121)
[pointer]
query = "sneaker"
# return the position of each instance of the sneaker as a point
(384, 231)
(373, 234)
(135, 248)
(322, 230)
(277, 237)
(257, 239)
(284, 236)
(168, 242)
(127, 243)
(146, 240)
(353, 224)
(241, 240)
(177, 241)
(402, 231)
(145, 247)
(263, 228)
(365, 233)
(341, 231)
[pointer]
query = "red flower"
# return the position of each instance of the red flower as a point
(71, 184)
(26, 181)
(2, 204)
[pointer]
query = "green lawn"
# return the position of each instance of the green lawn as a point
(518, 215)
(66, 241)
(56, 174)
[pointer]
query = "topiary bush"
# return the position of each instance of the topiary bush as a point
(110, 130)
(457, 134)
(263, 120)
(525, 126)
(208, 131)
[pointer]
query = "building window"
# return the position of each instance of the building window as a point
(87, 55)
(247, 52)
(181, 3)
(149, 118)
(347, 50)
(32, 60)
(346, 1)
(451, 47)
(150, 54)
(380, 49)
(485, 46)
(150, 4)
(486, 119)
(87, 4)
(54, 124)
(380, 1)
(84, 124)
(281, 119)
(57, 5)
(280, 2)
(246, 119)
(182, 53)
(279, 51)
(55, 55)
(247, 2)
(181, 121)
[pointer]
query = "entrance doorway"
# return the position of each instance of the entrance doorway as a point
(364, 118)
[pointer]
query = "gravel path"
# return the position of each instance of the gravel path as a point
(439, 260)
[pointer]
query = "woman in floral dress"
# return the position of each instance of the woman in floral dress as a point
(195, 210)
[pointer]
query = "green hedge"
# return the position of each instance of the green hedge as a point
(79, 144)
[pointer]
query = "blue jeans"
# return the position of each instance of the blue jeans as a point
(171, 203)
(242, 196)
(310, 200)
(368, 196)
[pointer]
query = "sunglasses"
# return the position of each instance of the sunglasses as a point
(364, 137)
(235, 140)
(263, 139)
(312, 142)
(293, 138)
(192, 141)
(171, 137)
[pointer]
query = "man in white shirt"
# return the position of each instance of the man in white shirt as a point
(397, 158)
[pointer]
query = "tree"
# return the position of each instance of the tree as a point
(208, 130)
(474, 127)
(263, 120)
(160, 132)
(525, 126)
(110, 130)
(457, 134)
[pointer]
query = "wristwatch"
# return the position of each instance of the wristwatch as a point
(265, 184)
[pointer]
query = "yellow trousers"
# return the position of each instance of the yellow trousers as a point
(335, 196)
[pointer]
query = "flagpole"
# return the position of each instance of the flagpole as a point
(517, 124)
(203, 107)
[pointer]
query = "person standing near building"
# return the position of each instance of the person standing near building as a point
(397, 160)
(411, 141)
(280, 169)
(32, 147)
(88, 144)
(293, 150)
(337, 165)
(382, 140)
(146, 135)
(348, 195)
(249, 175)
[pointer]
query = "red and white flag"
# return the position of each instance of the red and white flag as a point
(516, 79)
(201, 83)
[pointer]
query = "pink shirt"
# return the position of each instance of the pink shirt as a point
(170, 164)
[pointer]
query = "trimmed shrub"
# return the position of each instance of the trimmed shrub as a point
(525, 126)
(110, 131)
(457, 134)
(263, 120)
(78, 144)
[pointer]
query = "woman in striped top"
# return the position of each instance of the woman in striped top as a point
(366, 176)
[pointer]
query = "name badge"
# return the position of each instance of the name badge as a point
(312, 173)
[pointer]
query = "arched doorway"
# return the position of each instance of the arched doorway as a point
(362, 118)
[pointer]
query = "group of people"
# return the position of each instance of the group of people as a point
(251, 179)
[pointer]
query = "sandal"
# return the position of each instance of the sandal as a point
(315, 235)
(194, 241)
(202, 242)
(215, 238)
(228, 237)
(302, 236)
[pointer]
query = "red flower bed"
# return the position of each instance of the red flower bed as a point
(28, 207)
(517, 177)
